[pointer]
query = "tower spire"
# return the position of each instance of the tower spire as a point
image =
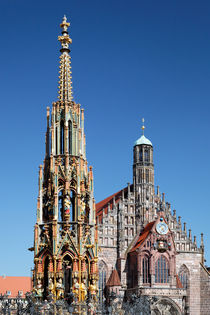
(65, 83)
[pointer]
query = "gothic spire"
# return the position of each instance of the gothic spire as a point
(65, 83)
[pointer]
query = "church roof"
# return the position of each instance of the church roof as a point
(102, 206)
(143, 236)
(14, 285)
(114, 279)
(143, 140)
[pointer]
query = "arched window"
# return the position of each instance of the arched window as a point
(184, 276)
(161, 270)
(70, 136)
(72, 206)
(56, 140)
(46, 278)
(60, 205)
(146, 155)
(147, 176)
(145, 270)
(62, 137)
(67, 269)
(140, 155)
(102, 278)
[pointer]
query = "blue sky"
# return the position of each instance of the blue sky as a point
(130, 59)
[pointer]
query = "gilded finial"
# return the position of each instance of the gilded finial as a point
(64, 39)
(143, 127)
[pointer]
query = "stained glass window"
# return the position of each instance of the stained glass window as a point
(145, 270)
(183, 276)
(161, 270)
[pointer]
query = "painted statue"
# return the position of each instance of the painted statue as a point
(93, 288)
(83, 290)
(75, 288)
(50, 285)
(39, 289)
(60, 289)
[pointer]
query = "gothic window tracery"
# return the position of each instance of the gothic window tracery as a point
(145, 270)
(147, 176)
(70, 136)
(146, 155)
(102, 278)
(140, 155)
(62, 137)
(46, 275)
(162, 270)
(72, 205)
(67, 269)
(60, 205)
(56, 140)
(184, 276)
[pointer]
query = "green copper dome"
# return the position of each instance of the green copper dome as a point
(143, 140)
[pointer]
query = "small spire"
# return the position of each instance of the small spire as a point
(143, 127)
(185, 227)
(65, 83)
(190, 234)
(202, 244)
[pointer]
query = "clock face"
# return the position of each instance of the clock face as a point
(162, 228)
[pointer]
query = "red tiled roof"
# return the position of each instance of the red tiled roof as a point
(143, 236)
(15, 284)
(178, 283)
(114, 279)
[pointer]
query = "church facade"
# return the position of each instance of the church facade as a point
(65, 233)
(147, 246)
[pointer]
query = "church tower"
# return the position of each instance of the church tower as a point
(143, 180)
(65, 236)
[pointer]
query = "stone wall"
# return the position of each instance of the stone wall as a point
(205, 291)
(109, 256)
(192, 262)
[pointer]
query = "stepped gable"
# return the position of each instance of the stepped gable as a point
(143, 236)
(114, 279)
(102, 206)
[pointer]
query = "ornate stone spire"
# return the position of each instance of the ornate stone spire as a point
(65, 83)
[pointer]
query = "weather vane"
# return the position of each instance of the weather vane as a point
(143, 127)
